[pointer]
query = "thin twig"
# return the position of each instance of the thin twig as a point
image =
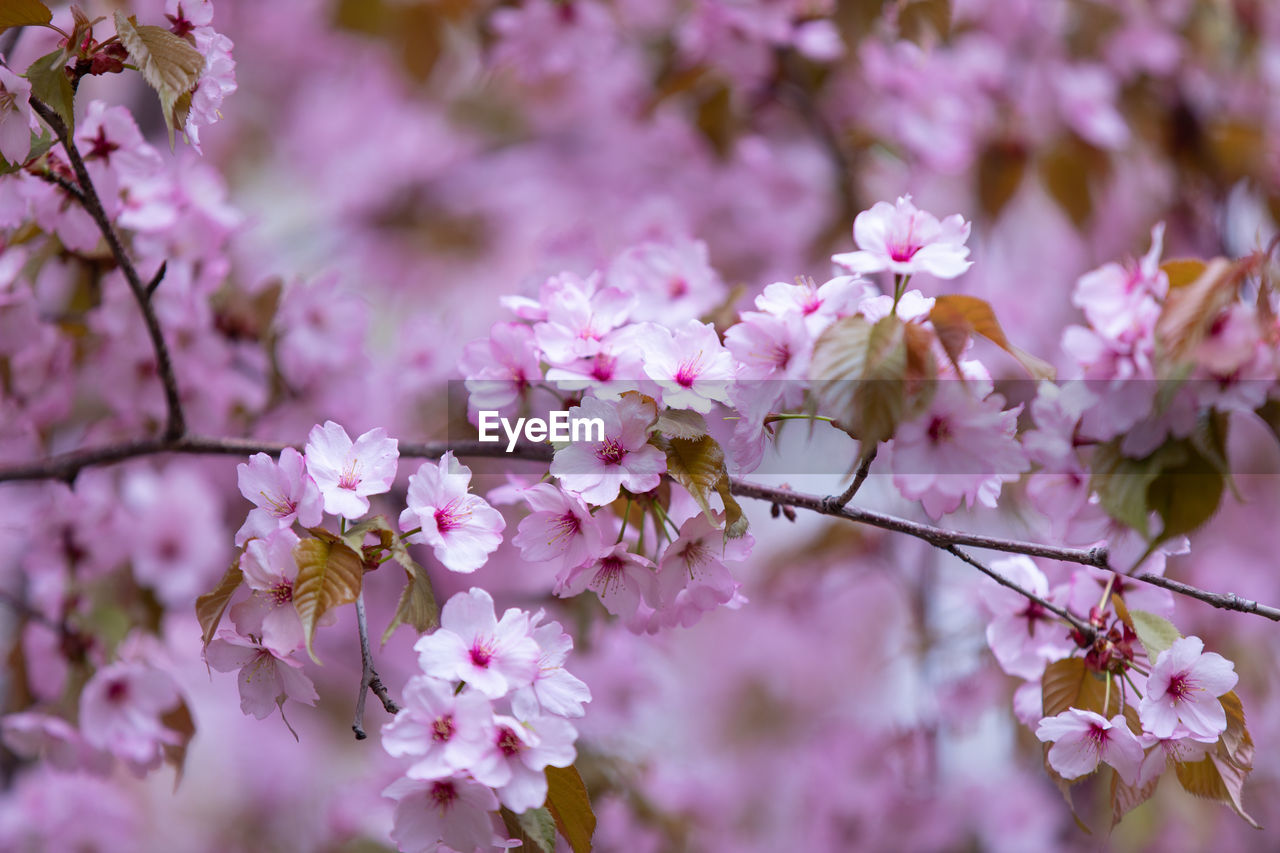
(840, 501)
(1086, 630)
(176, 424)
(157, 278)
(369, 679)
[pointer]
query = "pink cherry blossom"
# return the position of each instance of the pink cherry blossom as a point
(578, 316)
(266, 677)
(962, 450)
(819, 306)
(282, 493)
(346, 472)
(15, 117)
(1082, 739)
(598, 471)
(519, 753)
(270, 570)
(1022, 634)
(457, 812)
(500, 369)
(120, 710)
(621, 579)
(1178, 748)
(770, 347)
(33, 735)
(690, 365)
(560, 531)
(692, 576)
(1183, 688)
(445, 733)
(462, 529)
(554, 689)
(904, 240)
(472, 645)
(1122, 303)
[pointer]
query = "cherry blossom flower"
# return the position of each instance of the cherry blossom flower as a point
(598, 471)
(444, 732)
(33, 735)
(270, 571)
(346, 472)
(1122, 304)
(472, 645)
(673, 279)
(690, 365)
(266, 678)
(769, 347)
(461, 528)
(819, 306)
(621, 579)
(499, 369)
(692, 576)
(1082, 739)
(962, 450)
(518, 755)
(456, 812)
(904, 240)
(15, 116)
(120, 710)
(578, 316)
(554, 689)
(1022, 634)
(1178, 748)
(1183, 688)
(282, 493)
(560, 531)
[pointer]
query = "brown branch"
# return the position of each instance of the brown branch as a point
(176, 425)
(369, 679)
(939, 537)
(63, 184)
(1220, 600)
(65, 467)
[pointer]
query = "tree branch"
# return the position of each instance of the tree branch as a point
(176, 425)
(369, 679)
(839, 501)
(1220, 600)
(67, 465)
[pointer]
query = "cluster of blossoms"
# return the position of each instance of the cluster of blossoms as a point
(482, 721)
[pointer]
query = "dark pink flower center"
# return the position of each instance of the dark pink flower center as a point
(1180, 686)
(677, 287)
(117, 691)
(1098, 734)
(939, 430)
(442, 728)
(509, 742)
(481, 655)
(1033, 613)
(281, 593)
(443, 793)
(449, 517)
(603, 368)
(566, 526)
(689, 370)
(902, 254)
(101, 147)
(611, 451)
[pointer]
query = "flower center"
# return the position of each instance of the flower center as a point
(939, 430)
(611, 452)
(281, 593)
(450, 516)
(609, 574)
(565, 527)
(1180, 687)
(481, 654)
(350, 477)
(443, 794)
(442, 728)
(1097, 734)
(508, 742)
(117, 692)
(689, 370)
(603, 368)
(280, 506)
